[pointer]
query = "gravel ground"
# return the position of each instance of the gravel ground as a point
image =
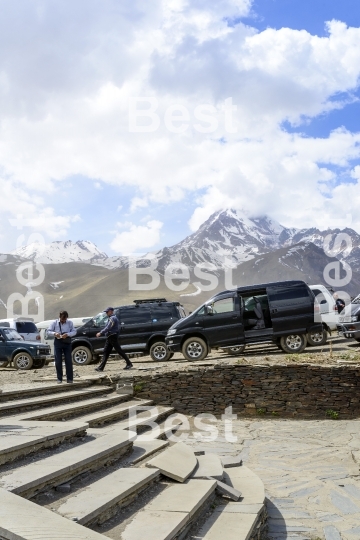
(336, 351)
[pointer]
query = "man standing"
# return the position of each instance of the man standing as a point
(111, 331)
(340, 304)
(63, 330)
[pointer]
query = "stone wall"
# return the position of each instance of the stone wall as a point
(303, 391)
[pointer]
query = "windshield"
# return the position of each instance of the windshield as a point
(100, 320)
(356, 300)
(12, 335)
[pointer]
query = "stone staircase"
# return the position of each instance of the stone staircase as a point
(77, 462)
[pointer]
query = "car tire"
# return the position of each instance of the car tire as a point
(81, 356)
(4, 363)
(39, 364)
(356, 339)
(23, 361)
(317, 338)
(235, 351)
(293, 344)
(194, 349)
(159, 352)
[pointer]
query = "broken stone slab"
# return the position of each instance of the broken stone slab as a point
(227, 525)
(231, 461)
(177, 462)
(244, 480)
(188, 497)
(144, 449)
(209, 465)
(226, 490)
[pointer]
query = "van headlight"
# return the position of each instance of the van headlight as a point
(354, 319)
(171, 332)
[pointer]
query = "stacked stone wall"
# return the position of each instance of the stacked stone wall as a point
(304, 391)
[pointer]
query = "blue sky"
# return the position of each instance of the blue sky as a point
(70, 163)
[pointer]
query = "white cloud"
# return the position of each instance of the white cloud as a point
(63, 118)
(141, 237)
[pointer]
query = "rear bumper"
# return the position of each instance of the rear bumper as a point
(349, 330)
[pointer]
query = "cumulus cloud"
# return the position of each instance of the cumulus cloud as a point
(65, 108)
(137, 238)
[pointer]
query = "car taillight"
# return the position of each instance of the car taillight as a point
(316, 307)
(335, 307)
(38, 337)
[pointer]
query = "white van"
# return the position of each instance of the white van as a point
(49, 340)
(25, 326)
(329, 313)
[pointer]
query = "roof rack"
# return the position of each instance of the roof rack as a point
(150, 301)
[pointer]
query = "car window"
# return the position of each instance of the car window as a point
(287, 296)
(134, 315)
(26, 327)
(12, 335)
(181, 311)
(161, 313)
(5, 323)
(100, 320)
(225, 305)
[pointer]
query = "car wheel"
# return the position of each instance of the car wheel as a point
(235, 351)
(356, 339)
(194, 349)
(38, 364)
(4, 363)
(317, 338)
(159, 352)
(81, 356)
(295, 343)
(23, 361)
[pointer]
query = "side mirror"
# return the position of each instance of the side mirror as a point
(1, 338)
(209, 310)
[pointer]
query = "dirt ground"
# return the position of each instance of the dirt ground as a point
(336, 352)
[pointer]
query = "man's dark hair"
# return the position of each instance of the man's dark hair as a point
(63, 314)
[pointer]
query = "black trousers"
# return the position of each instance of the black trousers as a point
(110, 344)
(61, 349)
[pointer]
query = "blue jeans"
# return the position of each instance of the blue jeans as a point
(60, 349)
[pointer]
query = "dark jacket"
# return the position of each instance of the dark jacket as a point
(112, 327)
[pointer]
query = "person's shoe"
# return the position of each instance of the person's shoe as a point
(58, 382)
(70, 382)
(128, 366)
(98, 369)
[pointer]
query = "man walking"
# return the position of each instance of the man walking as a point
(111, 331)
(63, 330)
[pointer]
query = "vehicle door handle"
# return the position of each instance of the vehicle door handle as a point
(273, 311)
(196, 323)
(235, 317)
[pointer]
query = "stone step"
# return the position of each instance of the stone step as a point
(24, 520)
(51, 389)
(30, 479)
(209, 465)
(247, 482)
(235, 521)
(142, 420)
(144, 449)
(15, 406)
(164, 433)
(170, 514)
(177, 462)
(72, 410)
(114, 413)
(23, 438)
(101, 500)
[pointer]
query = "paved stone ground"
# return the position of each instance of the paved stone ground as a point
(310, 473)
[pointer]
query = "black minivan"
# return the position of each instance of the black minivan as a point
(144, 326)
(282, 313)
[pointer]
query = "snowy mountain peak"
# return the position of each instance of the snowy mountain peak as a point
(61, 252)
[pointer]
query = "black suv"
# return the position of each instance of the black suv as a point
(144, 326)
(282, 313)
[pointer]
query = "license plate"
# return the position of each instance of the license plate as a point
(344, 319)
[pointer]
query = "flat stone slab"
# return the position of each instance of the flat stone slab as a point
(143, 449)
(209, 465)
(60, 468)
(144, 417)
(106, 493)
(240, 508)
(176, 462)
(228, 491)
(24, 520)
(49, 400)
(159, 525)
(227, 525)
(244, 480)
(77, 408)
(231, 461)
(113, 413)
(188, 497)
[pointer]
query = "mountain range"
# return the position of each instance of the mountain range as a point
(243, 250)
